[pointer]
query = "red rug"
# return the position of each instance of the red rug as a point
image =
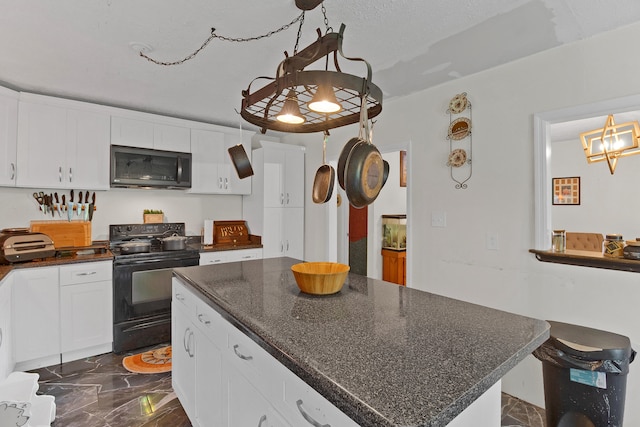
(150, 362)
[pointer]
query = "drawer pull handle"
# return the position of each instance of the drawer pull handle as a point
(179, 297)
(308, 417)
(240, 355)
(206, 322)
(87, 273)
(246, 257)
(262, 420)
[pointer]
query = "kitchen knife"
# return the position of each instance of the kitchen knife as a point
(79, 204)
(86, 206)
(57, 205)
(53, 212)
(64, 203)
(70, 206)
(92, 206)
(45, 199)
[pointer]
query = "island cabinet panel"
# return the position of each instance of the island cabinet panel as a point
(197, 336)
(238, 380)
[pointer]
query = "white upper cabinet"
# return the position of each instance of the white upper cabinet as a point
(144, 134)
(213, 171)
(8, 136)
(282, 171)
(60, 147)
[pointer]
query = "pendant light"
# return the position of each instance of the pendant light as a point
(324, 101)
(290, 112)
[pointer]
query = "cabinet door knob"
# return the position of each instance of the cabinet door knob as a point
(308, 417)
(240, 355)
(60, 174)
(70, 175)
(13, 171)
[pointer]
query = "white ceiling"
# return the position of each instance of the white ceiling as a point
(80, 49)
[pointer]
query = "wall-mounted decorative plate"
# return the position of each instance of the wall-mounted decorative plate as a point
(458, 103)
(457, 158)
(459, 128)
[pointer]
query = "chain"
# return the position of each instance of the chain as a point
(326, 20)
(295, 49)
(299, 18)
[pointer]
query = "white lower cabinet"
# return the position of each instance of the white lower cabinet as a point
(245, 405)
(36, 317)
(196, 337)
(223, 377)
(6, 338)
(86, 314)
(221, 257)
(61, 313)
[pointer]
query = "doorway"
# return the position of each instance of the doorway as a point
(365, 252)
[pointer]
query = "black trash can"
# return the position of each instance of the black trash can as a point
(585, 376)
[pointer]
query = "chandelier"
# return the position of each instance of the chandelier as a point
(611, 142)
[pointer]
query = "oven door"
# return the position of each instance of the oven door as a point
(142, 300)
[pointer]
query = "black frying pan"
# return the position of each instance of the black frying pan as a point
(325, 177)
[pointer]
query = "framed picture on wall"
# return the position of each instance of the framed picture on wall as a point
(403, 168)
(566, 191)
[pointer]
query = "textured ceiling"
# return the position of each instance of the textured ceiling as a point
(80, 49)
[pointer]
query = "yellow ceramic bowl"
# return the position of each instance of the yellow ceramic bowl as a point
(320, 278)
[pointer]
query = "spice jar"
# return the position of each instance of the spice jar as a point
(558, 241)
(613, 246)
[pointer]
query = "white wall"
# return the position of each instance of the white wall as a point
(454, 260)
(124, 206)
(609, 203)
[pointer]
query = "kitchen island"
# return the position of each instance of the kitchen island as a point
(382, 354)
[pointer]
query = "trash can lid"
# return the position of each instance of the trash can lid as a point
(589, 344)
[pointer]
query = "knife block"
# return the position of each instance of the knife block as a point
(65, 233)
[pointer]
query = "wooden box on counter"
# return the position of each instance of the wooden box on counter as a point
(230, 233)
(65, 233)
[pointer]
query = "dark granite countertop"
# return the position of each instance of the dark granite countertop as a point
(56, 260)
(384, 354)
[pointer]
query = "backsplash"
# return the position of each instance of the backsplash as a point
(123, 206)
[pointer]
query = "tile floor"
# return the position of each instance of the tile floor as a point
(99, 392)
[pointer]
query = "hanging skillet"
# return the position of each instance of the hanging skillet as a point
(364, 169)
(325, 176)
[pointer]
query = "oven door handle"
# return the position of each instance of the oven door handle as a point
(152, 261)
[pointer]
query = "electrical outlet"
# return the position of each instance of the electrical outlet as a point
(438, 219)
(491, 241)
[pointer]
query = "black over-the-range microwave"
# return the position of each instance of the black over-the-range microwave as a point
(147, 168)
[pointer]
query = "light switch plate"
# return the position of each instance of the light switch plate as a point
(491, 241)
(438, 219)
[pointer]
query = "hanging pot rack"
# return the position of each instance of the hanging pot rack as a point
(261, 106)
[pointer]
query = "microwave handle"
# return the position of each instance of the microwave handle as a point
(179, 174)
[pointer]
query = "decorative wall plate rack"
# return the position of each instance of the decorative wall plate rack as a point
(460, 141)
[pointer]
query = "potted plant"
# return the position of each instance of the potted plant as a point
(153, 216)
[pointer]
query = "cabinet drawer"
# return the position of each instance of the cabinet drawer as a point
(258, 366)
(86, 272)
(245, 254)
(218, 257)
(184, 297)
(211, 324)
(306, 407)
